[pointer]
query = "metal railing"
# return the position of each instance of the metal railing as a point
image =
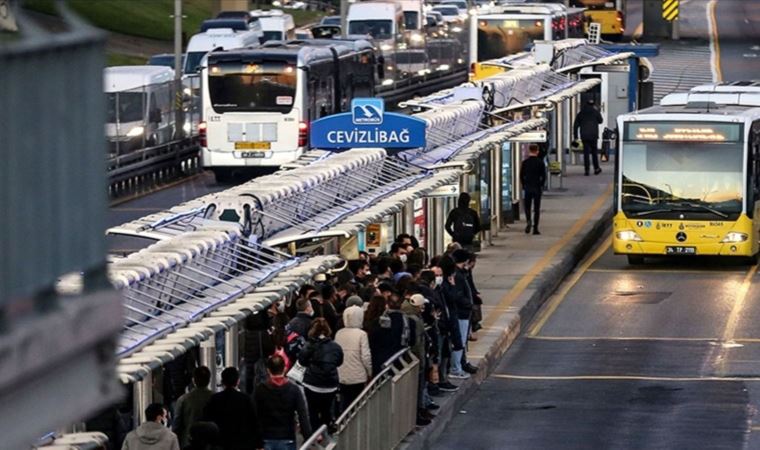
(383, 414)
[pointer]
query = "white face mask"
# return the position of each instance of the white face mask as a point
(281, 306)
(439, 280)
(402, 258)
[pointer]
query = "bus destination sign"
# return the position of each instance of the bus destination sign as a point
(683, 131)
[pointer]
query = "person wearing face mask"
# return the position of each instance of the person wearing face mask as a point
(153, 433)
(398, 251)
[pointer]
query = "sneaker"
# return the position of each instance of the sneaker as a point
(424, 413)
(535, 231)
(527, 228)
(432, 406)
(459, 375)
(469, 368)
(597, 171)
(421, 421)
(448, 387)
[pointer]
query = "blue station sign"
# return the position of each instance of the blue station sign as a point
(367, 126)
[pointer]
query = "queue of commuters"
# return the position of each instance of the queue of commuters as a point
(306, 361)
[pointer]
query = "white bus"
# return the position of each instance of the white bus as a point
(218, 38)
(258, 102)
(507, 29)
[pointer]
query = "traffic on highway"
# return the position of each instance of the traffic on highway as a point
(397, 224)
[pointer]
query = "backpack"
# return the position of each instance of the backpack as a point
(293, 345)
(464, 225)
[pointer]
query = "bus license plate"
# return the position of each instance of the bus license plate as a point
(253, 145)
(678, 250)
(252, 154)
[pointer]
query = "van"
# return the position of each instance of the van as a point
(384, 21)
(139, 103)
(275, 25)
(219, 38)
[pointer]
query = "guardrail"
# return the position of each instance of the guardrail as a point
(382, 415)
(152, 165)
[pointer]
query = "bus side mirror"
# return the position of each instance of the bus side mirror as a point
(381, 67)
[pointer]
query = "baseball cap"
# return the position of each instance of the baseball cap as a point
(418, 300)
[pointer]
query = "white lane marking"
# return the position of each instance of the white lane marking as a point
(710, 14)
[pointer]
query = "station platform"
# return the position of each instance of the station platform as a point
(519, 271)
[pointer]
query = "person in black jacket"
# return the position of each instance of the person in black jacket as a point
(586, 128)
(463, 223)
(533, 177)
(457, 289)
(389, 333)
(233, 412)
(278, 401)
(321, 357)
(301, 323)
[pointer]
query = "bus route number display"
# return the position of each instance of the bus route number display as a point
(683, 131)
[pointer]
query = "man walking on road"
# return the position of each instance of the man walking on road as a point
(587, 122)
(533, 177)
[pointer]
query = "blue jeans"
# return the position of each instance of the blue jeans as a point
(279, 444)
(456, 356)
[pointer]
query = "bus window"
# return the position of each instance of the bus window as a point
(498, 38)
(259, 86)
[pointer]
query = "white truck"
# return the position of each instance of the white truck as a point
(139, 103)
(414, 22)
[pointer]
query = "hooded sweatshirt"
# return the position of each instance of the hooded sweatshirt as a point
(277, 402)
(357, 359)
(151, 436)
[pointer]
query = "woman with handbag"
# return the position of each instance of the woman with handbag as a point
(321, 357)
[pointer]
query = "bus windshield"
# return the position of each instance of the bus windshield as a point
(252, 87)
(378, 29)
(124, 107)
(668, 177)
(498, 38)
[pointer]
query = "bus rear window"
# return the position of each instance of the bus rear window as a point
(252, 87)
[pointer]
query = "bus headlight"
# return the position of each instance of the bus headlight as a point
(735, 236)
(628, 235)
(136, 131)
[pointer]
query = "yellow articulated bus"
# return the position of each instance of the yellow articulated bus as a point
(688, 175)
(609, 14)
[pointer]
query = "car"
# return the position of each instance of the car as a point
(450, 13)
(325, 31)
(164, 59)
(413, 62)
(460, 4)
(330, 20)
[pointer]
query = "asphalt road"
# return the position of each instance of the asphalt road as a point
(662, 356)
(737, 24)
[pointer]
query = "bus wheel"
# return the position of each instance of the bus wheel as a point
(635, 260)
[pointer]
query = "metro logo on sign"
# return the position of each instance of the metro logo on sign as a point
(367, 111)
(367, 126)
